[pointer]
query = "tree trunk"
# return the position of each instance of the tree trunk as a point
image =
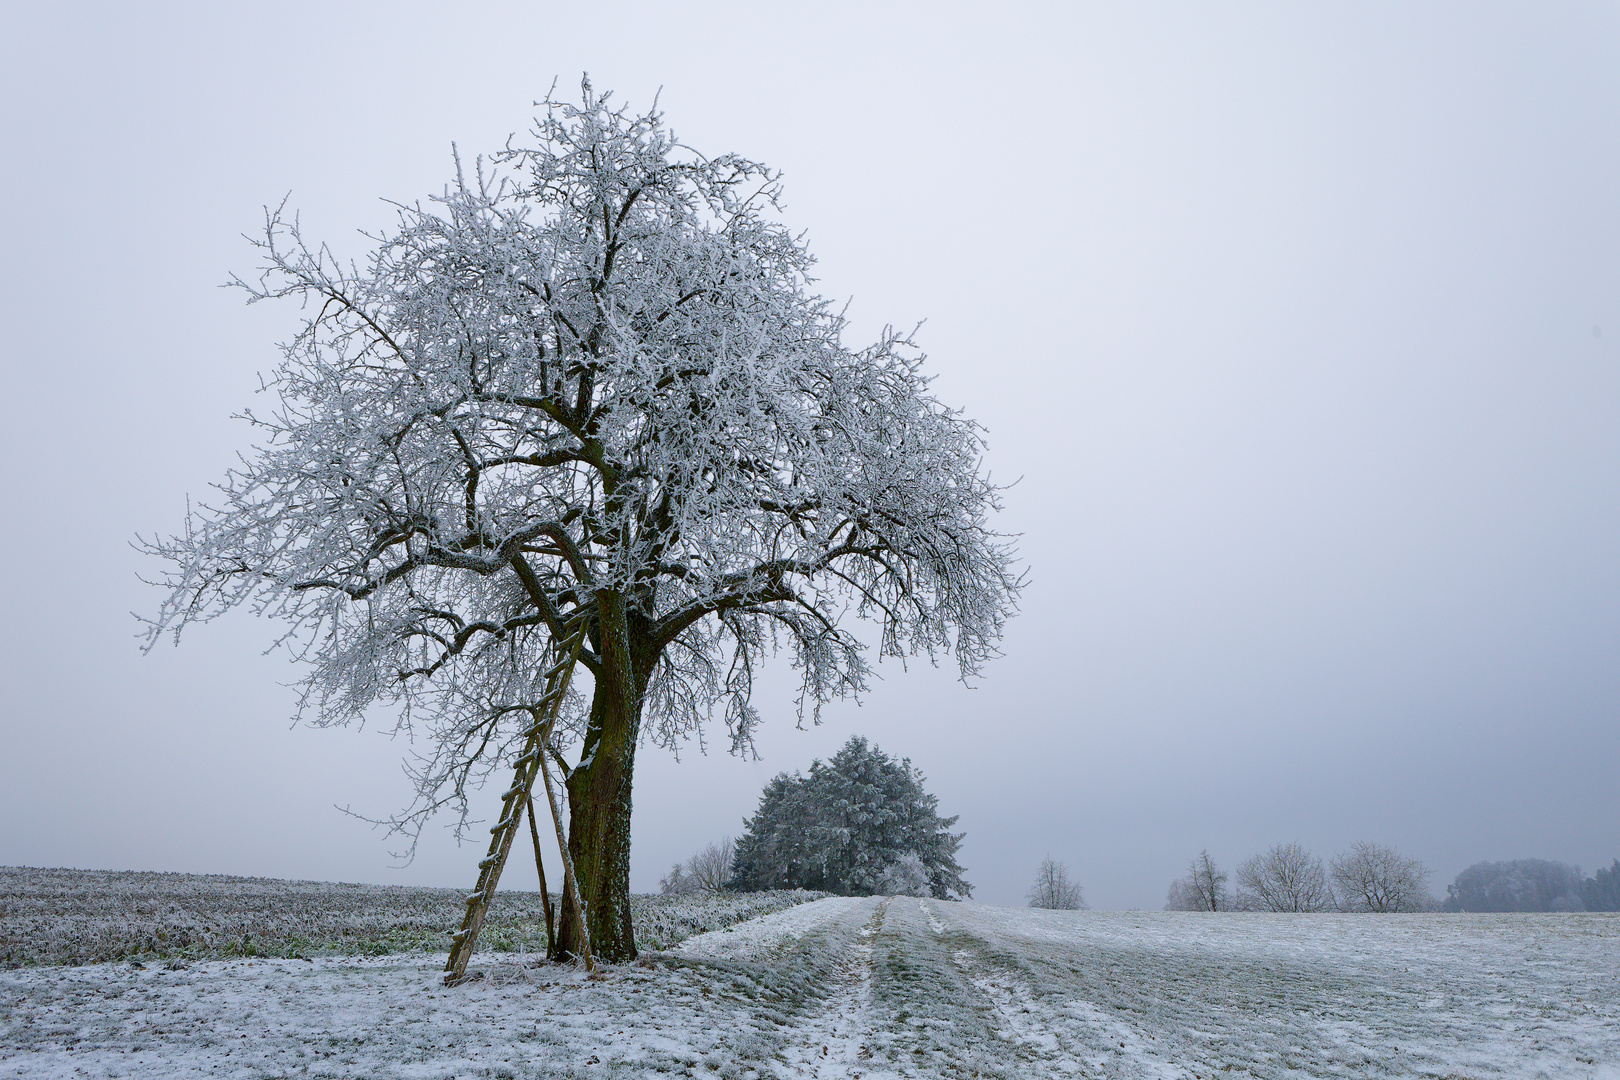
(599, 789)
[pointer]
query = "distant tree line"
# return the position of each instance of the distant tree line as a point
(1366, 878)
(1377, 878)
(1533, 885)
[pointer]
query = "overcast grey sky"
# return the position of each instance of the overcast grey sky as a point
(1299, 326)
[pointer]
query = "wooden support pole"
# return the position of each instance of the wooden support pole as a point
(570, 882)
(540, 868)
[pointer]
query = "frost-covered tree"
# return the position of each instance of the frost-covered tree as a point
(1517, 885)
(774, 851)
(675, 883)
(588, 384)
(1375, 877)
(1054, 890)
(1203, 889)
(858, 824)
(1286, 878)
(1601, 891)
(1180, 896)
(905, 876)
(705, 873)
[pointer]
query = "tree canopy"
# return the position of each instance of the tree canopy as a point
(859, 824)
(588, 383)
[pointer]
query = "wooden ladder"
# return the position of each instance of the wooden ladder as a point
(530, 764)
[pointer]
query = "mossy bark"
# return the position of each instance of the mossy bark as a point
(599, 787)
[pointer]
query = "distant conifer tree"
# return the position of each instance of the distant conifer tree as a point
(859, 824)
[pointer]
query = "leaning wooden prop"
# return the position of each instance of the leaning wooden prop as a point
(530, 763)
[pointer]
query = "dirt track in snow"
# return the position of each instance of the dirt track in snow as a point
(876, 988)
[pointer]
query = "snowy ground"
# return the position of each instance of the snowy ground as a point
(94, 916)
(880, 988)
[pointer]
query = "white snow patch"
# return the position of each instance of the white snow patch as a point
(771, 931)
(933, 920)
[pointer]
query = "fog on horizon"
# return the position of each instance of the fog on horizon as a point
(1295, 333)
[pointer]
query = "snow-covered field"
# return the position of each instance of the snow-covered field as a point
(876, 988)
(93, 916)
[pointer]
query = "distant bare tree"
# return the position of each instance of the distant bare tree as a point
(1374, 877)
(704, 873)
(675, 882)
(710, 868)
(1286, 878)
(1181, 896)
(1053, 889)
(1202, 889)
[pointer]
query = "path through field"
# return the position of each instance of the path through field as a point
(877, 988)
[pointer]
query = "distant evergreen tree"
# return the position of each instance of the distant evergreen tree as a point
(775, 851)
(1601, 891)
(857, 825)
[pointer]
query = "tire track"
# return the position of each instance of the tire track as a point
(929, 1017)
(1048, 1031)
(886, 1001)
(834, 1042)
